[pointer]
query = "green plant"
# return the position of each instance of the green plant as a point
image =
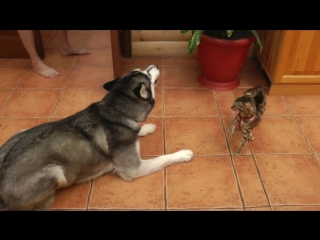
(196, 36)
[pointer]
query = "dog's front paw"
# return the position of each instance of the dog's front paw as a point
(146, 129)
(184, 155)
(125, 176)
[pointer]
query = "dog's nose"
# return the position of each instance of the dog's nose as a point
(157, 66)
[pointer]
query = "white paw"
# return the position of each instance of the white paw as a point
(125, 177)
(184, 155)
(231, 131)
(146, 129)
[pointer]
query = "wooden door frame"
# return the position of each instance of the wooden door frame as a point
(116, 54)
(121, 48)
(125, 43)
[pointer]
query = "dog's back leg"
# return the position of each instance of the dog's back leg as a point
(36, 192)
(45, 203)
(145, 167)
(153, 165)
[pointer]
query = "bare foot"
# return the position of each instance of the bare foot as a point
(74, 51)
(45, 71)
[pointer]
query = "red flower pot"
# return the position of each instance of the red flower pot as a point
(221, 61)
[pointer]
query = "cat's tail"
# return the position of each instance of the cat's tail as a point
(260, 98)
(259, 95)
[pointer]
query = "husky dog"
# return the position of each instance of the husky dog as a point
(101, 138)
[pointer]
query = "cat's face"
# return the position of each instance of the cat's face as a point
(244, 105)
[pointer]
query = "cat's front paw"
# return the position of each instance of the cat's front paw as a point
(238, 152)
(231, 131)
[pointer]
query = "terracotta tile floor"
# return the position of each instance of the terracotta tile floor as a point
(279, 170)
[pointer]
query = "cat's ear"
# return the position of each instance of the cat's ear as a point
(141, 91)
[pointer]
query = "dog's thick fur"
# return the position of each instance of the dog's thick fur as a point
(99, 139)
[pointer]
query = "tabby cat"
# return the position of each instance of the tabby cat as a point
(251, 106)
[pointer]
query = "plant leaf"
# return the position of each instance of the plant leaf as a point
(195, 40)
(229, 32)
(255, 33)
(182, 32)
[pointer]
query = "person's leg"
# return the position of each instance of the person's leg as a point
(66, 48)
(27, 38)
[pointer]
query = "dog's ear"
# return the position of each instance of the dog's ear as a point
(107, 86)
(141, 91)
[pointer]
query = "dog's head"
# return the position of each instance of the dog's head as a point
(139, 86)
(142, 82)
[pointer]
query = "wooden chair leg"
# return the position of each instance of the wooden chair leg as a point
(116, 54)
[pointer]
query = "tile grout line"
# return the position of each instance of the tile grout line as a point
(295, 115)
(124, 209)
(259, 173)
(89, 195)
(58, 100)
(3, 106)
(63, 209)
(61, 93)
(230, 153)
(296, 205)
(14, 90)
(230, 150)
(206, 209)
(75, 62)
(65, 84)
(73, 65)
(193, 116)
(44, 45)
(304, 135)
(230, 116)
(164, 143)
(282, 153)
(15, 117)
(260, 177)
(58, 46)
(262, 206)
(203, 88)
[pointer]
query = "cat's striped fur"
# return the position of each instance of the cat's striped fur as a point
(251, 106)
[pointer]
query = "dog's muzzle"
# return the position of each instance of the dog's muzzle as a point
(154, 72)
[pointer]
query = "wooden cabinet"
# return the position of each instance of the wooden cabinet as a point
(12, 47)
(160, 44)
(291, 59)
